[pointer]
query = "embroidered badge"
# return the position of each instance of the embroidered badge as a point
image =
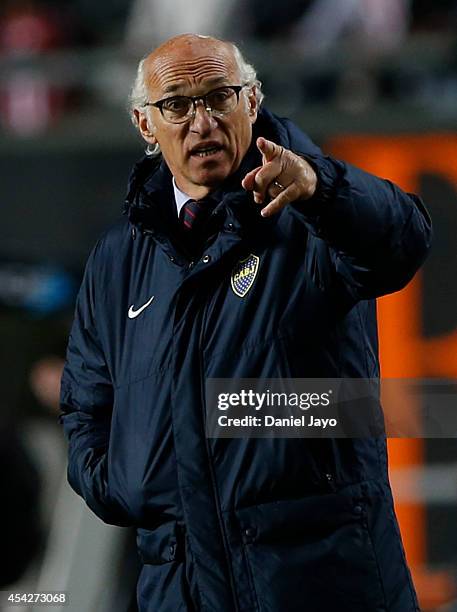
(243, 275)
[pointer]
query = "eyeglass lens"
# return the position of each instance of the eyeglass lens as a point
(222, 100)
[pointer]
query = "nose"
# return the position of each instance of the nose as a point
(202, 122)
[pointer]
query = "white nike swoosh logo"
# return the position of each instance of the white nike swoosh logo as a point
(134, 313)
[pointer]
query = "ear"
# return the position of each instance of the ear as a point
(253, 105)
(145, 126)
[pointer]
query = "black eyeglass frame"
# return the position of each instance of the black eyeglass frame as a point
(194, 99)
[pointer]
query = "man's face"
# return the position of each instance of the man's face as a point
(191, 66)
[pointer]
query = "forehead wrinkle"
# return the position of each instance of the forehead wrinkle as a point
(190, 70)
(209, 84)
(170, 74)
(178, 79)
(171, 62)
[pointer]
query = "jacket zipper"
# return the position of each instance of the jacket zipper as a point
(210, 462)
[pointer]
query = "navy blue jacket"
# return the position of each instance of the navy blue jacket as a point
(268, 525)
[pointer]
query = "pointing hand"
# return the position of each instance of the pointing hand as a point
(283, 176)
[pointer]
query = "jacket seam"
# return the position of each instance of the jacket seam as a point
(337, 491)
(251, 576)
(133, 381)
(375, 557)
(249, 345)
(359, 316)
(403, 557)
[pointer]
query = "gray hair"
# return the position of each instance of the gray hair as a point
(139, 95)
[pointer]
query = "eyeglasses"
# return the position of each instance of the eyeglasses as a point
(218, 102)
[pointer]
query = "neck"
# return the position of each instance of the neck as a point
(195, 192)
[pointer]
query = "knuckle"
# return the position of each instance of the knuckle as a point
(258, 182)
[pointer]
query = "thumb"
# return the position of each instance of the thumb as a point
(269, 149)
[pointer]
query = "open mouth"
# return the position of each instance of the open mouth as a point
(206, 151)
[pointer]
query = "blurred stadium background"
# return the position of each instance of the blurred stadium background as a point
(372, 81)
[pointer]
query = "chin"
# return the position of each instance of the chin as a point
(212, 178)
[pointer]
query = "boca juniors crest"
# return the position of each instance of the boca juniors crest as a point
(243, 275)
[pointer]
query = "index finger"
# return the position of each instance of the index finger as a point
(269, 149)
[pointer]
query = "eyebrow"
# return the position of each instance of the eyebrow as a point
(173, 88)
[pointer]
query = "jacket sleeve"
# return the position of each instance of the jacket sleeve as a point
(86, 404)
(378, 235)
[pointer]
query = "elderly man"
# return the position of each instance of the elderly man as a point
(228, 191)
